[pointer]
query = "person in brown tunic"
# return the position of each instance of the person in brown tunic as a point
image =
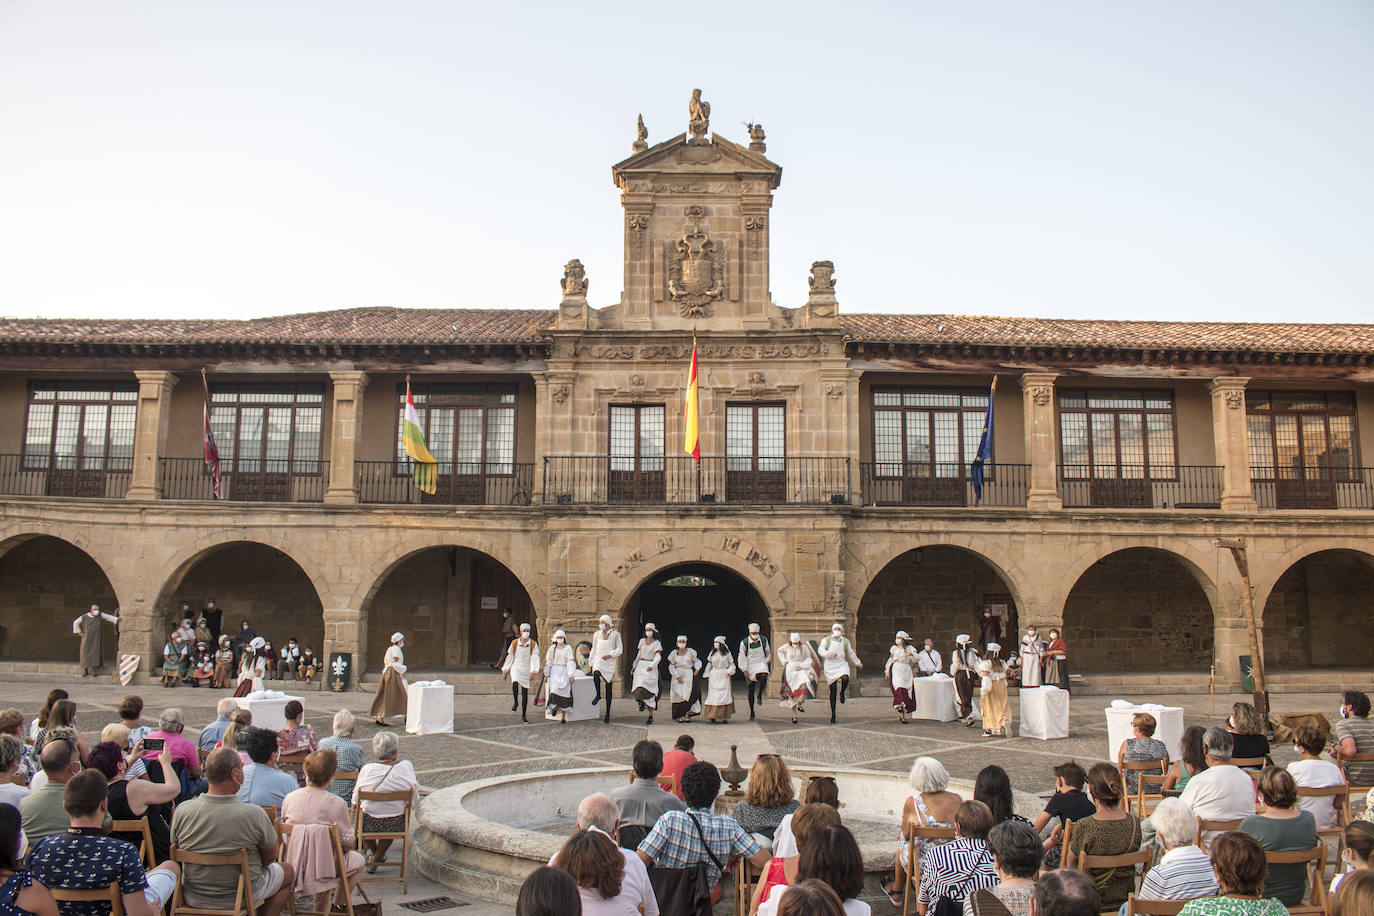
(91, 628)
(224, 663)
(391, 688)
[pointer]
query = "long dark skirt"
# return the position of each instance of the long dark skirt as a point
(1057, 672)
(683, 709)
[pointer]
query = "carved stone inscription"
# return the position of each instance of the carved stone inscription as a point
(635, 557)
(704, 351)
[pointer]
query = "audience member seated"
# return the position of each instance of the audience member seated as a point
(1194, 760)
(1247, 732)
(263, 784)
(40, 779)
(131, 717)
(11, 756)
(548, 891)
(211, 734)
(1016, 857)
(40, 721)
(117, 733)
(83, 858)
(130, 799)
(1183, 872)
(1065, 892)
(239, 722)
(820, 790)
(598, 867)
(185, 758)
(993, 788)
(389, 774)
(1281, 826)
(296, 737)
(782, 871)
(1111, 831)
(20, 893)
(42, 810)
(677, 760)
(811, 898)
(1141, 747)
(315, 804)
(12, 723)
(676, 840)
(219, 823)
(930, 805)
(1221, 792)
(61, 716)
(1310, 771)
(1238, 860)
(642, 801)
(1069, 803)
(768, 798)
(962, 866)
(1359, 846)
(598, 813)
(1356, 897)
(831, 856)
(348, 752)
(1354, 734)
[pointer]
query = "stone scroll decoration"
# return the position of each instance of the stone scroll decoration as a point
(663, 352)
(574, 280)
(754, 226)
(1235, 400)
(1041, 394)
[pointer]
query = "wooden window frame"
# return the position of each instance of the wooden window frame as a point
(1350, 473)
(246, 396)
(401, 467)
(1088, 394)
(901, 390)
(637, 408)
(48, 460)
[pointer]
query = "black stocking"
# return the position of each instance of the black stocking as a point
(834, 690)
(524, 701)
(596, 680)
(514, 694)
(844, 686)
(752, 686)
(607, 717)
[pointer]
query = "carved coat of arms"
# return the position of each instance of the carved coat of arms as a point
(696, 274)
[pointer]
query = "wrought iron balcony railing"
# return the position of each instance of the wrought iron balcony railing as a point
(595, 480)
(897, 483)
(256, 480)
(1135, 486)
(456, 484)
(86, 478)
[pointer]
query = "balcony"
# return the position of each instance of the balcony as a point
(1313, 487)
(458, 484)
(105, 478)
(894, 483)
(273, 480)
(682, 481)
(1135, 486)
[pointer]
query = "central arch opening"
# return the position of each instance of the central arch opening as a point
(698, 600)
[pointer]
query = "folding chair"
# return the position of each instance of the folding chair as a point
(669, 783)
(243, 893)
(1356, 793)
(292, 763)
(1250, 763)
(1314, 859)
(339, 870)
(913, 864)
(108, 895)
(1341, 800)
(1135, 905)
(402, 795)
(1141, 768)
(145, 848)
(1206, 824)
(746, 878)
(347, 776)
(1130, 860)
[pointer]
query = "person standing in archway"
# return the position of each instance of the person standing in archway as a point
(720, 697)
(507, 634)
(901, 660)
(645, 673)
(214, 618)
(390, 699)
(798, 674)
(224, 663)
(993, 694)
(837, 653)
(522, 663)
(991, 629)
(252, 667)
(754, 655)
(964, 667)
(90, 626)
(1057, 661)
(1032, 657)
(605, 660)
(684, 688)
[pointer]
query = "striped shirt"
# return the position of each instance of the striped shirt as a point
(955, 870)
(1361, 730)
(1182, 873)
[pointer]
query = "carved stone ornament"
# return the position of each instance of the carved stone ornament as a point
(641, 136)
(574, 280)
(756, 379)
(1041, 394)
(698, 119)
(756, 138)
(696, 213)
(822, 279)
(1235, 400)
(696, 273)
(834, 392)
(637, 381)
(637, 223)
(560, 393)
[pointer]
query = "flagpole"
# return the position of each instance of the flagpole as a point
(696, 366)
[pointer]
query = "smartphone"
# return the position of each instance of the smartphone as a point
(154, 744)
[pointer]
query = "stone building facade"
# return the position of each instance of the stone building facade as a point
(835, 480)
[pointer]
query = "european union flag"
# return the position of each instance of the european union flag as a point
(984, 448)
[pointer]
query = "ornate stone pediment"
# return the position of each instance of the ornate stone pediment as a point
(672, 160)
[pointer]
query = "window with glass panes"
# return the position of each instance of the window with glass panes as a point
(1303, 433)
(1117, 434)
(755, 437)
(267, 428)
(470, 429)
(636, 437)
(926, 432)
(80, 425)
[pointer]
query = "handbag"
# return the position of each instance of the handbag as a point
(948, 906)
(681, 891)
(715, 891)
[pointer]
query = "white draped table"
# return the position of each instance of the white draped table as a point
(583, 690)
(1044, 713)
(1168, 727)
(429, 708)
(268, 708)
(935, 698)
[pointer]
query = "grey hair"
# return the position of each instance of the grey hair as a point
(385, 745)
(344, 723)
(598, 811)
(929, 775)
(1174, 823)
(11, 750)
(225, 707)
(1217, 743)
(170, 718)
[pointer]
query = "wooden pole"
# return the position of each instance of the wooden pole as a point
(1237, 548)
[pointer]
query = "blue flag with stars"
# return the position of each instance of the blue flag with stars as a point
(984, 448)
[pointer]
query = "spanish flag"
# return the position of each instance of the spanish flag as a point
(691, 443)
(426, 467)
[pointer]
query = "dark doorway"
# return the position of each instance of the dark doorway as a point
(697, 600)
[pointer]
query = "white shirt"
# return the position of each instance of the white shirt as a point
(1220, 793)
(929, 661)
(769, 907)
(383, 777)
(1317, 774)
(606, 644)
(635, 890)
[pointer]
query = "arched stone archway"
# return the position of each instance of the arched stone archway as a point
(1320, 611)
(1142, 609)
(45, 583)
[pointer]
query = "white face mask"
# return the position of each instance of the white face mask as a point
(837, 632)
(929, 646)
(682, 645)
(1344, 713)
(559, 640)
(1053, 635)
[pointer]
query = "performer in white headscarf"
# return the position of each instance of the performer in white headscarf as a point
(644, 677)
(1032, 657)
(605, 659)
(798, 680)
(522, 663)
(993, 694)
(558, 668)
(684, 687)
(901, 658)
(252, 667)
(720, 697)
(753, 659)
(391, 687)
(837, 653)
(964, 668)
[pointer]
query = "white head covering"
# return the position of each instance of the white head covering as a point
(257, 643)
(524, 628)
(903, 634)
(559, 634)
(650, 626)
(721, 640)
(961, 639)
(681, 638)
(605, 618)
(793, 637)
(994, 647)
(397, 636)
(753, 628)
(836, 626)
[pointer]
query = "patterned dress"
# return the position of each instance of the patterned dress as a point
(1108, 838)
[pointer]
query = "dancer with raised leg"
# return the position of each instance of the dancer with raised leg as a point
(754, 656)
(522, 663)
(645, 673)
(837, 653)
(901, 659)
(605, 660)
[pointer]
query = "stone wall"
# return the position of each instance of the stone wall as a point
(45, 583)
(426, 598)
(1138, 609)
(1321, 612)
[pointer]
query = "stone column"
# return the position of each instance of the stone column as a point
(1231, 443)
(343, 436)
(345, 630)
(1042, 440)
(150, 431)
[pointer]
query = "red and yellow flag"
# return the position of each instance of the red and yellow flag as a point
(691, 443)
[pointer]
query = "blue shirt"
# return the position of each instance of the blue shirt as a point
(211, 734)
(264, 785)
(86, 860)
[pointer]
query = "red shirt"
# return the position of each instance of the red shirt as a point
(674, 762)
(182, 749)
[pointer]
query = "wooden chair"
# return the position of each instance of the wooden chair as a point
(1341, 800)
(108, 895)
(243, 892)
(140, 825)
(322, 907)
(1130, 860)
(402, 835)
(292, 763)
(1142, 768)
(1135, 905)
(1314, 859)
(746, 879)
(669, 783)
(1355, 793)
(1250, 763)
(347, 775)
(913, 870)
(1205, 824)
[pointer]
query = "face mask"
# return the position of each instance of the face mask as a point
(682, 645)
(929, 647)
(559, 640)
(1344, 714)
(1053, 635)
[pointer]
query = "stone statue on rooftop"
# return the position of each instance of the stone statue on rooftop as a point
(756, 137)
(698, 118)
(641, 136)
(574, 280)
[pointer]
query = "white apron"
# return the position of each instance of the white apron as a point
(558, 669)
(899, 662)
(798, 673)
(836, 654)
(253, 671)
(682, 665)
(1031, 654)
(719, 669)
(753, 657)
(522, 661)
(607, 645)
(645, 675)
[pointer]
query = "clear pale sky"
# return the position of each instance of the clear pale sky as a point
(1170, 159)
